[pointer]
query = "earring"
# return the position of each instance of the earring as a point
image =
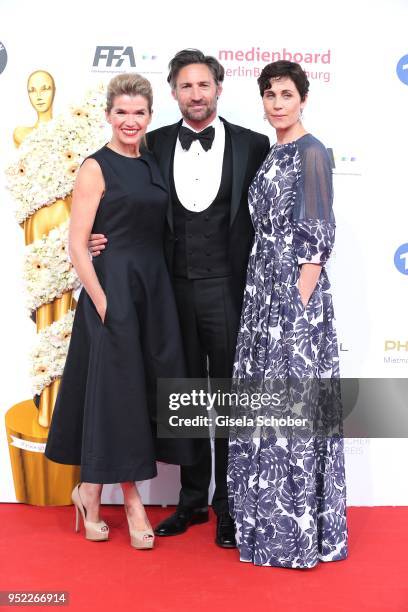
(265, 117)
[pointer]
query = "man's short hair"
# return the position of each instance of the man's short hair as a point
(194, 56)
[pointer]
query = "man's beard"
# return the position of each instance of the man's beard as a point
(201, 115)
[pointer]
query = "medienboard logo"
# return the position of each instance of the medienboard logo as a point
(117, 58)
(401, 258)
(248, 62)
(402, 69)
(3, 57)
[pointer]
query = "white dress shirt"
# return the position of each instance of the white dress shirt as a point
(197, 173)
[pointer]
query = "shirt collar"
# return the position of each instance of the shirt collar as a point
(216, 124)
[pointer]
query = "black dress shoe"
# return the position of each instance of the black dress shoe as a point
(179, 521)
(225, 536)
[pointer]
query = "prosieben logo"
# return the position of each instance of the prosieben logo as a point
(3, 57)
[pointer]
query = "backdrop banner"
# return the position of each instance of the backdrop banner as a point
(356, 57)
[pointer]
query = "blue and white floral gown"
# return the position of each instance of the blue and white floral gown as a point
(287, 493)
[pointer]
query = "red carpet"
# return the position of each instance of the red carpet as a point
(41, 552)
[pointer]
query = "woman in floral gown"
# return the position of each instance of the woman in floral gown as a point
(287, 492)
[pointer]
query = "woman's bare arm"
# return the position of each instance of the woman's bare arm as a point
(88, 190)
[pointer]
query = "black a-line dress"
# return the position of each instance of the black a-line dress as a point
(104, 417)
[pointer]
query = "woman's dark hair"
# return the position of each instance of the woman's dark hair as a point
(282, 69)
(194, 56)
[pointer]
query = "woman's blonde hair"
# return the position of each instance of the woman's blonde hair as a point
(130, 84)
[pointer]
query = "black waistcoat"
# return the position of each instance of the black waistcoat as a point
(202, 238)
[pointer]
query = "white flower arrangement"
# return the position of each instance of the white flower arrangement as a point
(49, 355)
(47, 271)
(44, 170)
(47, 161)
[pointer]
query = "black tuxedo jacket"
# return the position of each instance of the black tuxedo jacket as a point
(249, 149)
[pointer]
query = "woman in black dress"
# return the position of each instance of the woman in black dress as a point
(126, 333)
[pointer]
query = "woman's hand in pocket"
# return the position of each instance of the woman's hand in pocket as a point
(102, 308)
(304, 294)
(309, 275)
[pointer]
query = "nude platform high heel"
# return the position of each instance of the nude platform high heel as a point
(97, 532)
(142, 539)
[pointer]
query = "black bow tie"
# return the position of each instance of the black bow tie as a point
(206, 137)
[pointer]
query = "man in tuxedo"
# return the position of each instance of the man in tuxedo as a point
(208, 165)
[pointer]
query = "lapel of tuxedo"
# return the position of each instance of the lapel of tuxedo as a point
(240, 151)
(163, 150)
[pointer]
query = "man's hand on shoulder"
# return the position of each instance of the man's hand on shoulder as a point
(96, 244)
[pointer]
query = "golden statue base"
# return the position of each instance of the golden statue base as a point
(37, 480)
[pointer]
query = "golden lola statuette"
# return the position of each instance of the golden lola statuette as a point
(37, 480)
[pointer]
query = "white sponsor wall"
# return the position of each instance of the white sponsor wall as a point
(357, 106)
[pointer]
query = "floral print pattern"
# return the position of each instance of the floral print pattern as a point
(287, 486)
